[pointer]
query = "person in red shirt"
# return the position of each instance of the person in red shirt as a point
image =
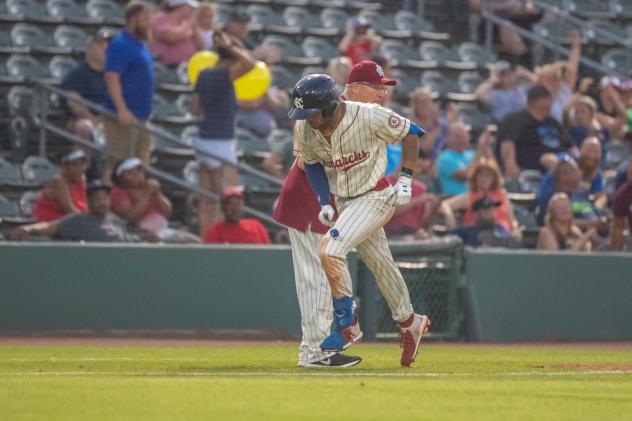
(412, 218)
(359, 41)
(136, 199)
(66, 193)
(235, 229)
(622, 210)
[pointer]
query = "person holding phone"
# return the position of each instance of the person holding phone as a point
(359, 40)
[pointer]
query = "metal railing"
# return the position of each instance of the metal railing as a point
(43, 92)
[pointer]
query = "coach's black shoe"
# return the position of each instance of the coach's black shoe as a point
(336, 360)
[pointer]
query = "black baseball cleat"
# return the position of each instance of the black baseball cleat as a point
(336, 360)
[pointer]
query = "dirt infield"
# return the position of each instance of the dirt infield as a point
(199, 342)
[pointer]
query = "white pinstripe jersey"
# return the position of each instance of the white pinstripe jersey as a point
(356, 158)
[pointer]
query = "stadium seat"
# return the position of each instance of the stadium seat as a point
(470, 115)
(37, 169)
(290, 52)
(183, 104)
(167, 112)
(529, 180)
(618, 59)
(27, 10)
(264, 18)
(556, 30)
(334, 19)
(472, 52)
(66, 9)
(9, 174)
(417, 27)
(616, 152)
(383, 24)
(405, 85)
(299, 17)
(249, 144)
(59, 66)
(278, 136)
(222, 14)
(27, 203)
(282, 77)
(165, 76)
(436, 81)
(32, 37)
(597, 9)
(436, 51)
(70, 37)
(189, 134)
(8, 209)
(400, 55)
(26, 67)
(20, 100)
(625, 9)
(105, 10)
(190, 172)
(314, 47)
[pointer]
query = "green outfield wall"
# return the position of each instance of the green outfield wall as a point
(506, 296)
(517, 296)
(103, 287)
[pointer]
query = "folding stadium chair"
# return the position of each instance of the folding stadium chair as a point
(436, 81)
(27, 203)
(20, 100)
(290, 52)
(529, 180)
(301, 18)
(9, 174)
(618, 59)
(26, 67)
(183, 104)
(319, 48)
(282, 77)
(379, 22)
(597, 9)
(66, 10)
(164, 75)
(472, 52)
(33, 38)
(470, 115)
(266, 19)
(27, 10)
(466, 85)
(190, 172)
(70, 37)
(59, 66)
(37, 169)
(400, 55)
(105, 10)
(405, 85)
(616, 152)
(189, 134)
(334, 19)
(8, 209)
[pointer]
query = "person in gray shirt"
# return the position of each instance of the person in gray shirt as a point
(98, 225)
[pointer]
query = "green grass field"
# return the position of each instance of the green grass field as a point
(260, 381)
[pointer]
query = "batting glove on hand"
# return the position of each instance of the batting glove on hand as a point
(326, 215)
(403, 189)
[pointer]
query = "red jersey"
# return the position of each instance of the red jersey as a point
(49, 209)
(297, 206)
(359, 51)
(410, 221)
(246, 231)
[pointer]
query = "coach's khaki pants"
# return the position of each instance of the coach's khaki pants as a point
(124, 142)
(359, 226)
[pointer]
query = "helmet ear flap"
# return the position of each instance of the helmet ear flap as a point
(330, 109)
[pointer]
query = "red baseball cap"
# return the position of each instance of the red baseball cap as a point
(369, 72)
(232, 191)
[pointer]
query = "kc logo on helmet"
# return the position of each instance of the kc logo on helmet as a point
(379, 70)
(298, 103)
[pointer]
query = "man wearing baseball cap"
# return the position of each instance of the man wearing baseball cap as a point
(366, 83)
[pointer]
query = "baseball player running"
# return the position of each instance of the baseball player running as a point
(343, 145)
(367, 83)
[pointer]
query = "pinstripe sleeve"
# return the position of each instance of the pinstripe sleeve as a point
(389, 126)
(302, 146)
(297, 136)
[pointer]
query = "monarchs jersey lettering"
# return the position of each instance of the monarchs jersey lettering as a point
(356, 158)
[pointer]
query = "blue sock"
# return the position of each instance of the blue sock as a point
(343, 312)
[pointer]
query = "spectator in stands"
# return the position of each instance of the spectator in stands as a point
(456, 162)
(129, 76)
(205, 26)
(86, 81)
(66, 193)
(485, 182)
(411, 220)
(174, 34)
(258, 115)
(621, 176)
(580, 117)
(138, 200)
(98, 225)
(559, 232)
(215, 102)
(559, 78)
(592, 181)
(339, 68)
(281, 156)
(235, 229)
(238, 27)
(426, 114)
(622, 210)
(611, 99)
(359, 41)
(505, 91)
(524, 137)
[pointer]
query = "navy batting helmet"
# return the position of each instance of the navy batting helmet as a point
(312, 94)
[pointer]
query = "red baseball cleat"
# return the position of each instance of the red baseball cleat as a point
(409, 338)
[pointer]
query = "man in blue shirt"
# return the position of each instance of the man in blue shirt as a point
(129, 77)
(454, 162)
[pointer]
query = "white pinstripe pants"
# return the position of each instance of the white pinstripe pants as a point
(360, 225)
(314, 294)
